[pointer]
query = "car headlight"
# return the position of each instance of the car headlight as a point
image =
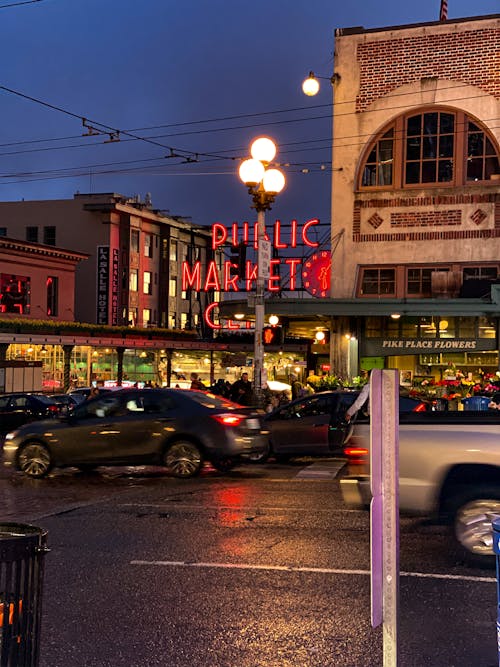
(9, 436)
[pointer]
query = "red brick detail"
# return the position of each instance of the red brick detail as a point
(427, 236)
(375, 220)
(478, 216)
(356, 220)
(470, 57)
(431, 200)
(426, 218)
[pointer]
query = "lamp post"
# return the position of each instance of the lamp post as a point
(263, 186)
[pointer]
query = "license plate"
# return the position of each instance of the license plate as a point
(253, 424)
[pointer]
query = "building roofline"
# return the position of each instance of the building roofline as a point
(41, 249)
(359, 30)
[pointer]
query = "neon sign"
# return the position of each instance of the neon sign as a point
(228, 276)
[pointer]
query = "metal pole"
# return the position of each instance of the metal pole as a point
(258, 356)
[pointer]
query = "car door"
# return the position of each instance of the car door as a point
(302, 427)
(143, 422)
(90, 432)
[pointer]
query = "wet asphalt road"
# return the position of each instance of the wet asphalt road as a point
(263, 566)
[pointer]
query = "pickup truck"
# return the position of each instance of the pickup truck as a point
(449, 468)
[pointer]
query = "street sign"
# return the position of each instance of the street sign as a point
(264, 259)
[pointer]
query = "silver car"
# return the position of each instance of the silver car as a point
(170, 427)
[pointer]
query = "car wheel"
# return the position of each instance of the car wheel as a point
(184, 459)
(34, 460)
(260, 457)
(223, 464)
(472, 517)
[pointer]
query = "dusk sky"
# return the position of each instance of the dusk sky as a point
(194, 78)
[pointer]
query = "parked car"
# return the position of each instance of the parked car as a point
(315, 425)
(81, 393)
(179, 429)
(21, 407)
(65, 402)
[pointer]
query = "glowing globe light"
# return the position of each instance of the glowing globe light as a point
(273, 320)
(273, 181)
(320, 336)
(310, 86)
(263, 149)
(251, 172)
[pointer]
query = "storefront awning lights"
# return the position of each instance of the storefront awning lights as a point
(395, 316)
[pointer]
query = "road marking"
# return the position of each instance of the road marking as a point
(249, 509)
(326, 470)
(290, 568)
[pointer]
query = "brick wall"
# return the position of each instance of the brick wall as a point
(471, 57)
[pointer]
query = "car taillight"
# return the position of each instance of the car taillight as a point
(421, 407)
(355, 452)
(229, 420)
(53, 408)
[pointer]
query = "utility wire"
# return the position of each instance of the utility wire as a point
(16, 4)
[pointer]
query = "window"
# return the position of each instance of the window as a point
(134, 240)
(482, 159)
(147, 285)
(419, 281)
(172, 320)
(132, 317)
(184, 319)
(378, 281)
(435, 147)
(172, 287)
(148, 245)
(3, 231)
(429, 148)
(133, 280)
(480, 273)
(49, 235)
(32, 234)
(146, 317)
(173, 251)
(52, 295)
(378, 166)
(15, 293)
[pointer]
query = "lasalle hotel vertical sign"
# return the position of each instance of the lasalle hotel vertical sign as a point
(107, 271)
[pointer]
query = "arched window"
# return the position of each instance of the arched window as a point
(434, 147)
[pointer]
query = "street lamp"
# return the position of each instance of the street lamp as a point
(263, 186)
(310, 86)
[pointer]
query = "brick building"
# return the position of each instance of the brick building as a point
(415, 200)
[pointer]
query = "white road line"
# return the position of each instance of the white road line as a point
(320, 470)
(319, 570)
(253, 510)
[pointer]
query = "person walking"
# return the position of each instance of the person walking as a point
(364, 397)
(196, 383)
(241, 391)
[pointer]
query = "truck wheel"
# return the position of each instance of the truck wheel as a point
(183, 458)
(473, 513)
(34, 460)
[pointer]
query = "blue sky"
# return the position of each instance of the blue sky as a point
(161, 70)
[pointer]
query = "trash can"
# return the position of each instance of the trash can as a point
(476, 403)
(22, 551)
(496, 548)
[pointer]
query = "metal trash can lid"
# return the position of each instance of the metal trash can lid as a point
(10, 531)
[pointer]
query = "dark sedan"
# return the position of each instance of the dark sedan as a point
(174, 428)
(21, 407)
(315, 425)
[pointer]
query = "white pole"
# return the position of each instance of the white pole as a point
(258, 357)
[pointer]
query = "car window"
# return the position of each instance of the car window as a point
(4, 401)
(20, 401)
(106, 406)
(211, 400)
(317, 405)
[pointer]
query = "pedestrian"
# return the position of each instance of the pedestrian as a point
(297, 387)
(241, 391)
(94, 391)
(364, 397)
(196, 383)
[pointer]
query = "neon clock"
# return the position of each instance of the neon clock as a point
(316, 274)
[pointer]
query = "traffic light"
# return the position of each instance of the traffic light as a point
(239, 257)
(272, 335)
